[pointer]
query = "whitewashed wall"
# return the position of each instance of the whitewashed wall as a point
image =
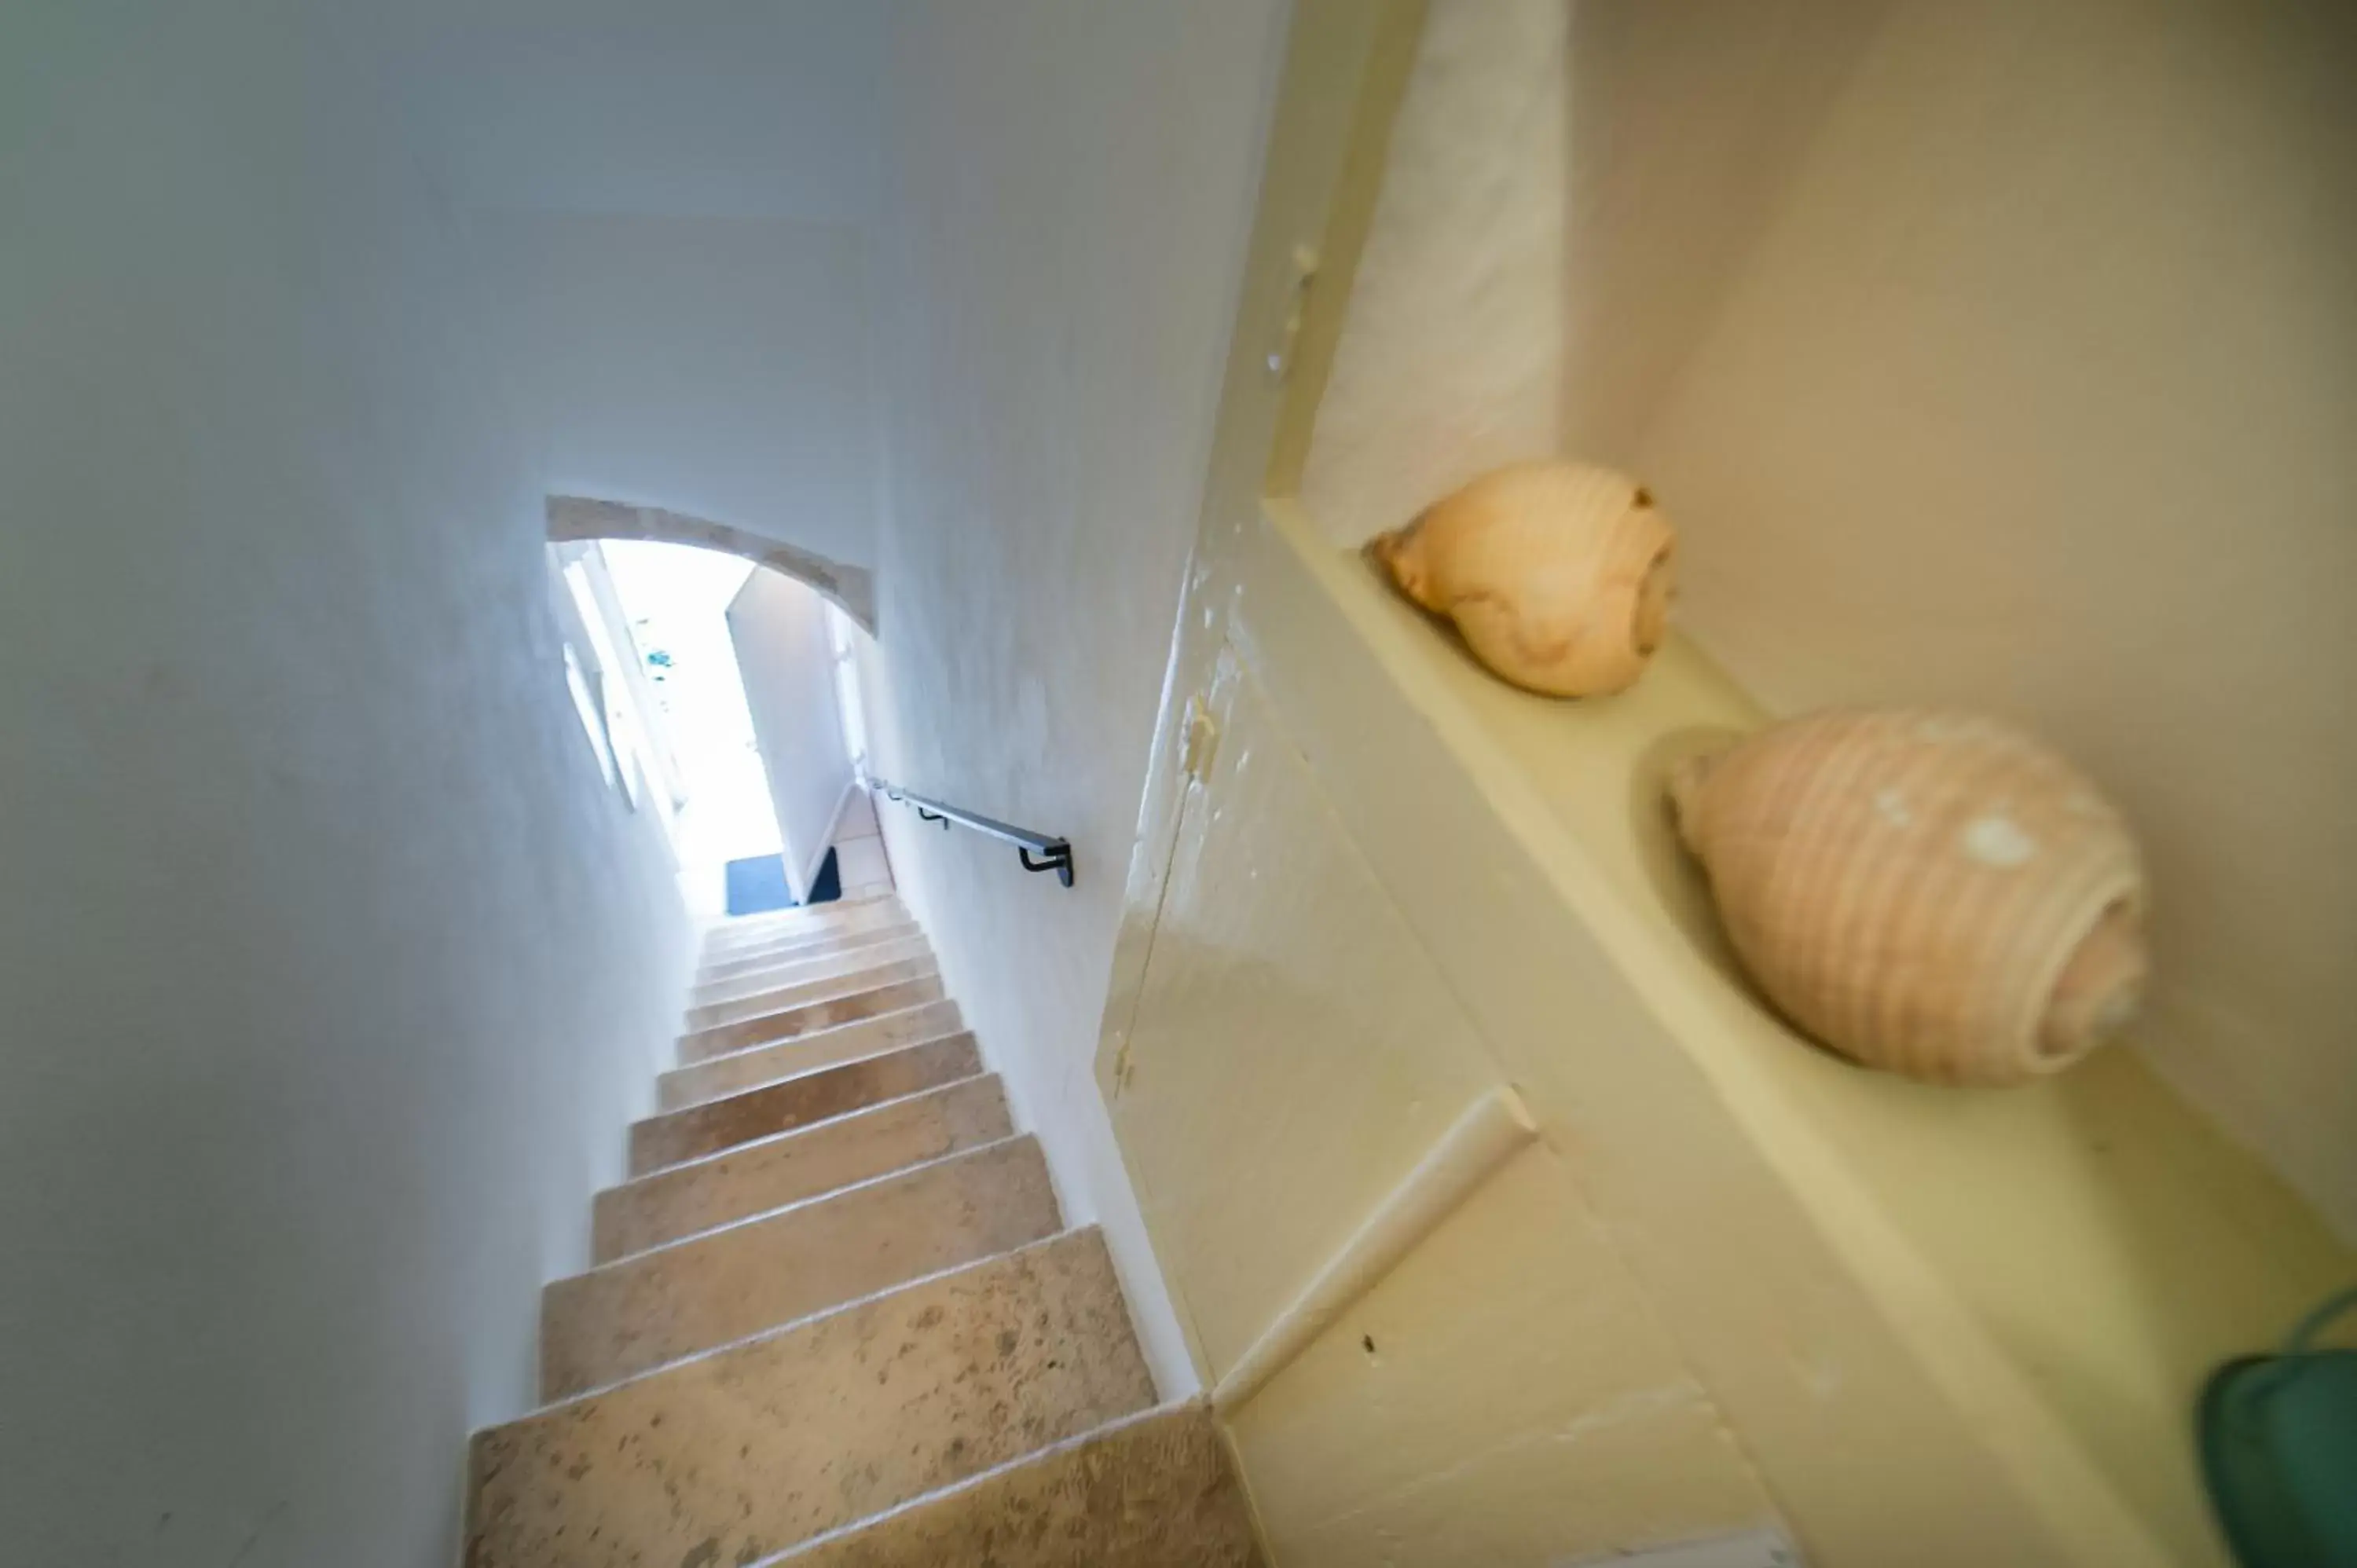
(778, 627)
(1068, 190)
(330, 967)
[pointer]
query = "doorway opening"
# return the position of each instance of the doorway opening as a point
(725, 698)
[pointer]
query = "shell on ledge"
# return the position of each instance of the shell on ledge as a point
(1557, 575)
(1932, 893)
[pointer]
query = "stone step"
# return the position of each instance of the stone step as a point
(757, 1065)
(790, 1023)
(717, 1124)
(762, 1445)
(640, 1312)
(786, 996)
(790, 925)
(1154, 1490)
(787, 1167)
(799, 915)
(792, 972)
(721, 969)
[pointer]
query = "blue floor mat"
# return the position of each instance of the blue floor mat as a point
(758, 882)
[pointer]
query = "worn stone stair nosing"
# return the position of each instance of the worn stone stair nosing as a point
(755, 960)
(719, 1462)
(846, 1189)
(817, 1038)
(794, 1325)
(786, 997)
(818, 938)
(642, 1132)
(800, 914)
(811, 1127)
(769, 1028)
(736, 970)
(753, 1150)
(854, 918)
(788, 1132)
(790, 1074)
(1049, 1454)
(793, 992)
(1026, 1202)
(972, 1483)
(814, 1033)
(796, 1075)
(730, 968)
(852, 983)
(787, 972)
(756, 955)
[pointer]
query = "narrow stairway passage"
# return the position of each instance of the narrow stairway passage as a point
(835, 1314)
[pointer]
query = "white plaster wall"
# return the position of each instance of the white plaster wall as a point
(716, 366)
(779, 627)
(1570, 187)
(1453, 357)
(670, 203)
(330, 969)
(693, 109)
(1068, 190)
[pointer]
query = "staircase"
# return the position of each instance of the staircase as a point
(835, 1318)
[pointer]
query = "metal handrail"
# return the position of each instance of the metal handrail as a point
(1056, 854)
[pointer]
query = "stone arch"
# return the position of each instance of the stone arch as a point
(579, 518)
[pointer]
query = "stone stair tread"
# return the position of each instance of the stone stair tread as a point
(812, 1036)
(752, 1447)
(736, 944)
(769, 1172)
(698, 1045)
(800, 1101)
(818, 988)
(832, 1317)
(773, 1061)
(785, 1015)
(638, 1311)
(799, 913)
(726, 968)
(865, 917)
(817, 966)
(1157, 1489)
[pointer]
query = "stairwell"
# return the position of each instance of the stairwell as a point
(835, 1317)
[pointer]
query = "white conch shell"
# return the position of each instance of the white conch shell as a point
(1557, 575)
(1932, 893)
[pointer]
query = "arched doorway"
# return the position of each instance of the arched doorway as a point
(579, 519)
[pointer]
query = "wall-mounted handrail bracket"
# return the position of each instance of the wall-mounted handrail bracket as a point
(1055, 854)
(1059, 860)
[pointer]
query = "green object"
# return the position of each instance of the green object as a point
(2279, 1450)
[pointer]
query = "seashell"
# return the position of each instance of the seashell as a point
(1932, 893)
(1557, 575)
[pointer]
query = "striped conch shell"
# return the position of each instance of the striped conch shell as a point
(1557, 575)
(1932, 893)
